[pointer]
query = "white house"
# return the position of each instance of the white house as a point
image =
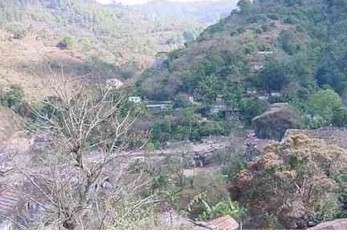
(135, 99)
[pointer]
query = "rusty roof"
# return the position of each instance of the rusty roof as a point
(223, 223)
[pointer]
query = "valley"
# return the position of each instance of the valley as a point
(173, 114)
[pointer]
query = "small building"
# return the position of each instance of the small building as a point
(252, 92)
(265, 53)
(159, 106)
(191, 99)
(135, 99)
(228, 112)
(275, 94)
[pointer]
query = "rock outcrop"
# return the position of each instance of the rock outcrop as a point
(273, 123)
(338, 224)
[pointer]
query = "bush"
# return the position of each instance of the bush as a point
(212, 128)
(222, 208)
(66, 43)
(324, 104)
(274, 77)
(340, 117)
(288, 174)
(18, 31)
(288, 43)
(273, 16)
(182, 101)
(251, 107)
(13, 97)
(250, 48)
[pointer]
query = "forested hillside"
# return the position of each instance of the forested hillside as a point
(266, 52)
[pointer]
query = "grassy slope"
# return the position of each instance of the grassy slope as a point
(108, 41)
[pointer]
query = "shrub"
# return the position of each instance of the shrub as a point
(18, 31)
(324, 103)
(13, 97)
(273, 16)
(222, 208)
(297, 181)
(288, 42)
(251, 107)
(250, 48)
(340, 117)
(66, 43)
(274, 77)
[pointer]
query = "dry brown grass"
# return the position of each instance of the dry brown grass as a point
(28, 63)
(10, 123)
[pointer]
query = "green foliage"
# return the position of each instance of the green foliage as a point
(288, 43)
(233, 166)
(222, 208)
(324, 103)
(187, 125)
(274, 77)
(245, 6)
(251, 107)
(328, 73)
(67, 42)
(340, 117)
(13, 97)
(308, 54)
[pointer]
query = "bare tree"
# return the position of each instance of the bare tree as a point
(90, 127)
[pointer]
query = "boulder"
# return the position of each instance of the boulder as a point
(273, 123)
(338, 224)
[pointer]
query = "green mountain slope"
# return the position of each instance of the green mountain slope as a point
(288, 48)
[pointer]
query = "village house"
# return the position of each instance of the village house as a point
(159, 106)
(135, 99)
(227, 112)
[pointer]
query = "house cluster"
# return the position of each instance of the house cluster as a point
(219, 107)
(263, 95)
(153, 106)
